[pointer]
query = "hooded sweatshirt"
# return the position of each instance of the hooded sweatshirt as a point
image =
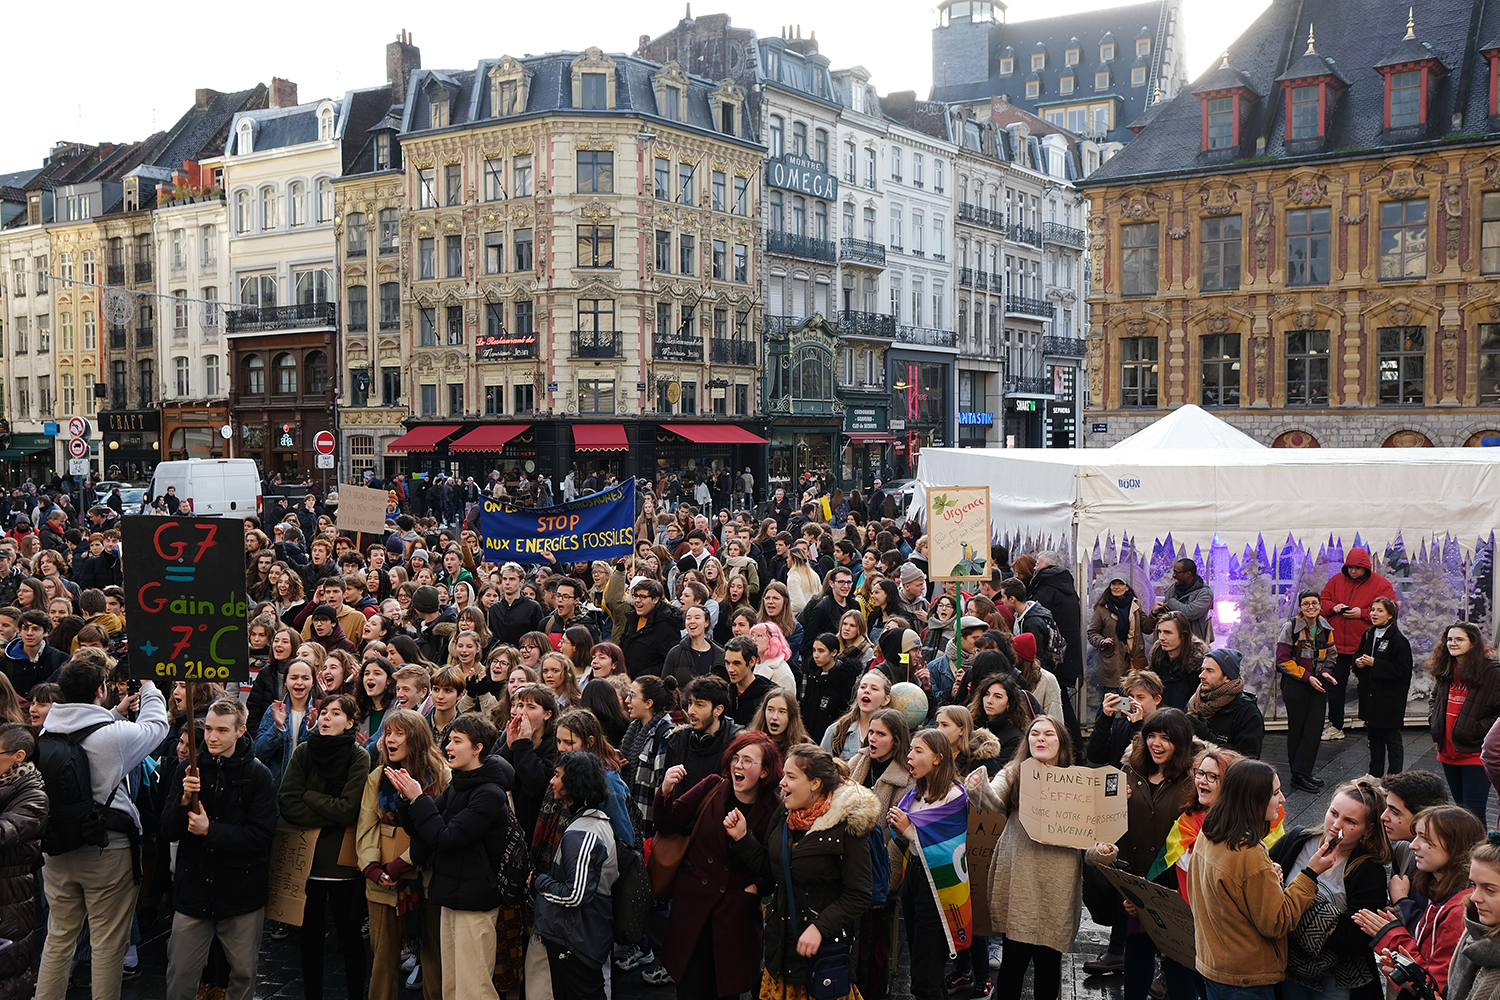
(1341, 589)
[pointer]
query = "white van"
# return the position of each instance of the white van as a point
(212, 487)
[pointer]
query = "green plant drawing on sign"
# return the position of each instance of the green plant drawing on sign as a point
(972, 564)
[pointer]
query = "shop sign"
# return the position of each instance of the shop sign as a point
(975, 419)
(506, 346)
(898, 425)
(864, 419)
(1104, 429)
(1062, 408)
(675, 349)
(127, 421)
(802, 174)
(1026, 406)
(30, 441)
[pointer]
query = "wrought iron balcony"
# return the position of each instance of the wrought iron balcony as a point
(861, 252)
(116, 274)
(389, 323)
(1023, 306)
(1064, 347)
(598, 344)
(1028, 385)
(797, 245)
(969, 213)
(966, 276)
(981, 279)
(143, 270)
(729, 351)
(144, 335)
(1052, 232)
(923, 335)
(673, 348)
(1024, 234)
(777, 327)
(265, 319)
(997, 282)
(865, 324)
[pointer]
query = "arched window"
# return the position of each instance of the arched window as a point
(268, 207)
(325, 200)
(247, 137)
(296, 204)
(286, 375)
(242, 212)
(812, 374)
(255, 375)
(325, 124)
(317, 372)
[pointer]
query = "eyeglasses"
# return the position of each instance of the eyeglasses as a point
(1208, 776)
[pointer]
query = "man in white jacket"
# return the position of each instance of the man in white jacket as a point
(90, 883)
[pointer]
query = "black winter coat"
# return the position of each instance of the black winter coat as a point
(460, 835)
(225, 872)
(508, 622)
(99, 571)
(23, 817)
(1364, 888)
(1052, 588)
(1383, 686)
(828, 695)
(531, 770)
(1238, 726)
(818, 617)
(679, 662)
(1479, 712)
(646, 648)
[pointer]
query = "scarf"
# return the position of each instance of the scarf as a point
(1206, 701)
(16, 773)
(803, 819)
(328, 757)
(1120, 608)
(942, 832)
(1477, 951)
(1178, 849)
(410, 899)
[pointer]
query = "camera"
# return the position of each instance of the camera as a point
(1408, 975)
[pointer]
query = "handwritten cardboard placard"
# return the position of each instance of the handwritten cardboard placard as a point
(958, 532)
(1072, 806)
(291, 863)
(362, 509)
(1163, 912)
(984, 833)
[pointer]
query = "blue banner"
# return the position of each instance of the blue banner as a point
(598, 526)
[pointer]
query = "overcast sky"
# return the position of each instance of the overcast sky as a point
(129, 76)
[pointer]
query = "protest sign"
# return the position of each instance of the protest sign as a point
(598, 526)
(291, 863)
(1072, 806)
(984, 833)
(362, 509)
(1163, 912)
(185, 595)
(958, 531)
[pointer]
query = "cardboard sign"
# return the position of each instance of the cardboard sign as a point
(1073, 806)
(1164, 913)
(362, 509)
(185, 596)
(984, 833)
(291, 863)
(958, 531)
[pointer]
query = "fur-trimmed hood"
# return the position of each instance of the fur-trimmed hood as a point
(854, 804)
(984, 746)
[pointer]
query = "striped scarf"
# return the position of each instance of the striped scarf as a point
(1177, 851)
(943, 834)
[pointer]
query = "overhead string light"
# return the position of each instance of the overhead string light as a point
(120, 305)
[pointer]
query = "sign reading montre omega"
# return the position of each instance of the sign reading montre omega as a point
(803, 175)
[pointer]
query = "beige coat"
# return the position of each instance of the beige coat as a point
(367, 836)
(889, 788)
(1024, 873)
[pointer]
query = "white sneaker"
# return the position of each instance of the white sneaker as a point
(1330, 733)
(995, 953)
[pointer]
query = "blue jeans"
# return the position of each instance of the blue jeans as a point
(1470, 787)
(1219, 991)
(1291, 990)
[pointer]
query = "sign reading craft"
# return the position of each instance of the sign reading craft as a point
(598, 526)
(185, 594)
(802, 174)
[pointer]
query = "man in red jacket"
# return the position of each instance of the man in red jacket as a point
(1346, 605)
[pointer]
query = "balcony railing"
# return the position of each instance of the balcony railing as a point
(982, 216)
(1024, 234)
(389, 323)
(729, 351)
(1024, 306)
(355, 253)
(598, 344)
(797, 245)
(966, 276)
(1052, 232)
(672, 349)
(877, 386)
(117, 338)
(981, 279)
(861, 252)
(997, 282)
(116, 274)
(262, 319)
(777, 327)
(865, 324)
(1029, 385)
(1064, 347)
(143, 270)
(144, 336)
(925, 336)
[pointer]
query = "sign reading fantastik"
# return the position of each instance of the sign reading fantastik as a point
(598, 526)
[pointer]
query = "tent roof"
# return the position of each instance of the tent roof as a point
(1189, 426)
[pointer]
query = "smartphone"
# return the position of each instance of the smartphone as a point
(1128, 706)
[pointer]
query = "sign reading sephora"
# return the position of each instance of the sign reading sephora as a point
(802, 174)
(504, 346)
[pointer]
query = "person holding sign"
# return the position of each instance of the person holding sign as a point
(1242, 915)
(1024, 873)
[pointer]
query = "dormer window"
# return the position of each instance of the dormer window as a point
(247, 137)
(593, 81)
(594, 92)
(671, 85)
(1039, 60)
(1311, 85)
(1223, 94)
(1101, 80)
(1305, 118)
(1406, 99)
(508, 86)
(1107, 52)
(1065, 85)
(1007, 66)
(1410, 69)
(1070, 57)
(1033, 89)
(325, 123)
(1221, 123)
(1138, 76)
(382, 151)
(1143, 46)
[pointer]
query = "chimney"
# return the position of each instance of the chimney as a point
(283, 93)
(401, 58)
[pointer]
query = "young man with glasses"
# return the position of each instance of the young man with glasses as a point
(651, 632)
(824, 614)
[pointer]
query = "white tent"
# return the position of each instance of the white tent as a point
(1189, 426)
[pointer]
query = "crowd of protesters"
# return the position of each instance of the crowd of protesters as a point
(688, 764)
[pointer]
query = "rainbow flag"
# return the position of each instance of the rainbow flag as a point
(1178, 848)
(943, 832)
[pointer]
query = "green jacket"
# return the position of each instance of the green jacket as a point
(305, 803)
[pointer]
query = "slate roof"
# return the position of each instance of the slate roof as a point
(1085, 30)
(1354, 37)
(551, 91)
(364, 111)
(201, 132)
(278, 128)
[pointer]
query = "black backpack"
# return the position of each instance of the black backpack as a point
(515, 866)
(1055, 651)
(74, 819)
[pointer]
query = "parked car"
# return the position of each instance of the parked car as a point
(212, 487)
(132, 499)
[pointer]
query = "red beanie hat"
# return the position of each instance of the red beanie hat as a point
(1025, 645)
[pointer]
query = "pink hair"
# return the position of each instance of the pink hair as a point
(776, 644)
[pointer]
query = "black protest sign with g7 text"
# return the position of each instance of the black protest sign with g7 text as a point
(185, 599)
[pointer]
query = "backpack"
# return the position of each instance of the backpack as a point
(1057, 646)
(880, 868)
(515, 867)
(631, 894)
(74, 819)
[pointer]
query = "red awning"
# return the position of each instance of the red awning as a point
(870, 437)
(423, 438)
(714, 434)
(490, 437)
(599, 437)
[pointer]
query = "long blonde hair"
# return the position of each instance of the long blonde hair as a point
(842, 723)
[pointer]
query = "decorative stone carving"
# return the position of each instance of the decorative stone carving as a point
(1262, 350)
(1218, 323)
(1450, 362)
(1404, 182)
(1219, 200)
(1304, 191)
(1261, 227)
(1136, 328)
(1177, 234)
(1453, 208)
(1401, 314)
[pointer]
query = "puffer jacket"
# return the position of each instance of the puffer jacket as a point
(460, 835)
(573, 898)
(23, 817)
(830, 867)
(984, 751)
(1340, 589)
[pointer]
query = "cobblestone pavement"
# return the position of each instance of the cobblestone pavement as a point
(279, 973)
